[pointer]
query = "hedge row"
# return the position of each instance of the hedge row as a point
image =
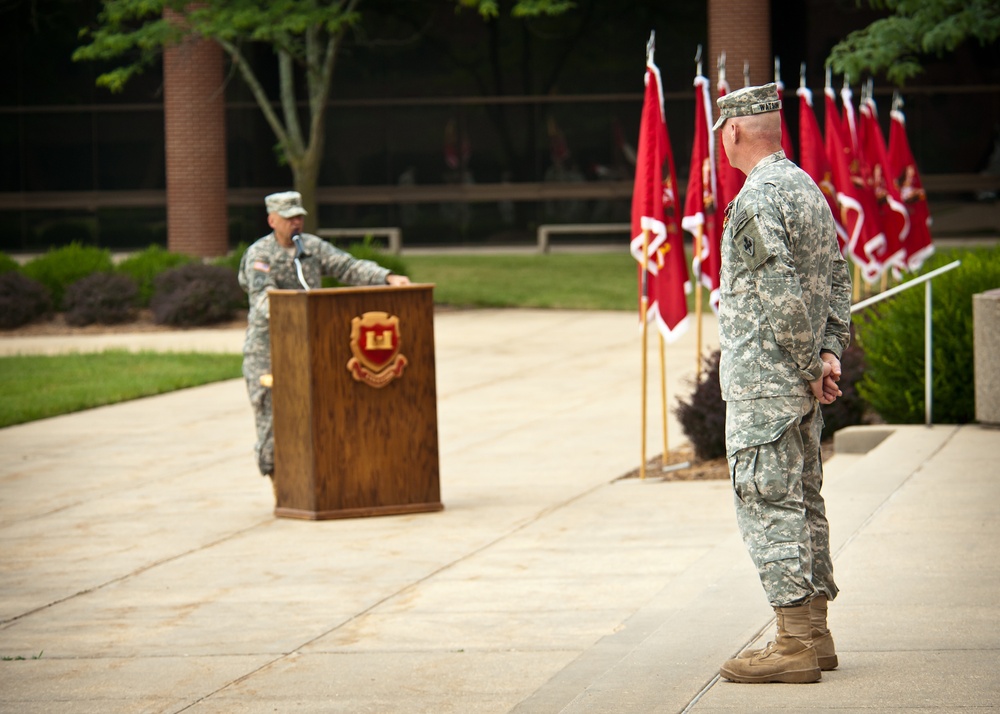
(85, 285)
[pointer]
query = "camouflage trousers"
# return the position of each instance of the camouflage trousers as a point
(780, 512)
(255, 365)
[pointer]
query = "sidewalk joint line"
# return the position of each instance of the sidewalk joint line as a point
(516, 529)
(126, 576)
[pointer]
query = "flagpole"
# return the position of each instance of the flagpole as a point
(663, 402)
(663, 374)
(698, 237)
(644, 304)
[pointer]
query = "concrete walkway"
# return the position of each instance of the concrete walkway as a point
(142, 570)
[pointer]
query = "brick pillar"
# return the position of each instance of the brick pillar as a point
(741, 29)
(194, 113)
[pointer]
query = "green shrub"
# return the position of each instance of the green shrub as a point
(232, 259)
(144, 266)
(196, 294)
(368, 249)
(60, 267)
(22, 300)
(891, 333)
(8, 264)
(703, 418)
(107, 298)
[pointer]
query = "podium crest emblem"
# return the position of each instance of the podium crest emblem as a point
(375, 340)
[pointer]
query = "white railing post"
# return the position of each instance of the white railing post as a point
(928, 355)
(928, 327)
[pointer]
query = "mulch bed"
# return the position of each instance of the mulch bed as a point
(709, 470)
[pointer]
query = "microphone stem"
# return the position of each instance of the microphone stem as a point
(299, 252)
(302, 278)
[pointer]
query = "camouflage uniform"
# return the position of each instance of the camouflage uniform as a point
(785, 297)
(267, 265)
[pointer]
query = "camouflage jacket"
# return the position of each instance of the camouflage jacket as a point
(785, 290)
(266, 266)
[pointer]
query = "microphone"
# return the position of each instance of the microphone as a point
(300, 252)
(299, 248)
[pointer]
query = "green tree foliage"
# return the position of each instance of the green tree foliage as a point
(891, 333)
(914, 29)
(489, 9)
(306, 37)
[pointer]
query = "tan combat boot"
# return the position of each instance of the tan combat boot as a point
(826, 654)
(791, 658)
(822, 640)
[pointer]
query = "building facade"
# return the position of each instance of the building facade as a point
(461, 133)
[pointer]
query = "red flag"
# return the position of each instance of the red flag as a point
(654, 218)
(893, 217)
(872, 239)
(730, 179)
(814, 161)
(786, 137)
(904, 175)
(701, 202)
(856, 211)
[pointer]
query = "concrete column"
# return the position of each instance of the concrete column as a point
(741, 29)
(986, 347)
(194, 113)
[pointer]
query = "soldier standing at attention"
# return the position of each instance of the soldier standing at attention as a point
(784, 320)
(269, 264)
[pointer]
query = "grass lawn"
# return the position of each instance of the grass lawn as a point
(36, 387)
(572, 281)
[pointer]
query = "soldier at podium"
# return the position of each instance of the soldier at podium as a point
(270, 264)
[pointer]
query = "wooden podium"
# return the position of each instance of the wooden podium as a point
(355, 402)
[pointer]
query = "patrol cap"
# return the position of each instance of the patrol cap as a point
(287, 204)
(747, 101)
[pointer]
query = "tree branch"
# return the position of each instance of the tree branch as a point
(263, 102)
(286, 85)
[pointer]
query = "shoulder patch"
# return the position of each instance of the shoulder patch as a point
(749, 243)
(262, 266)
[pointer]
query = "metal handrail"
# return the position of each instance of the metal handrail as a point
(928, 327)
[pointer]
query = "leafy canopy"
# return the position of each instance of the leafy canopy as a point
(915, 28)
(523, 8)
(138, 29)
